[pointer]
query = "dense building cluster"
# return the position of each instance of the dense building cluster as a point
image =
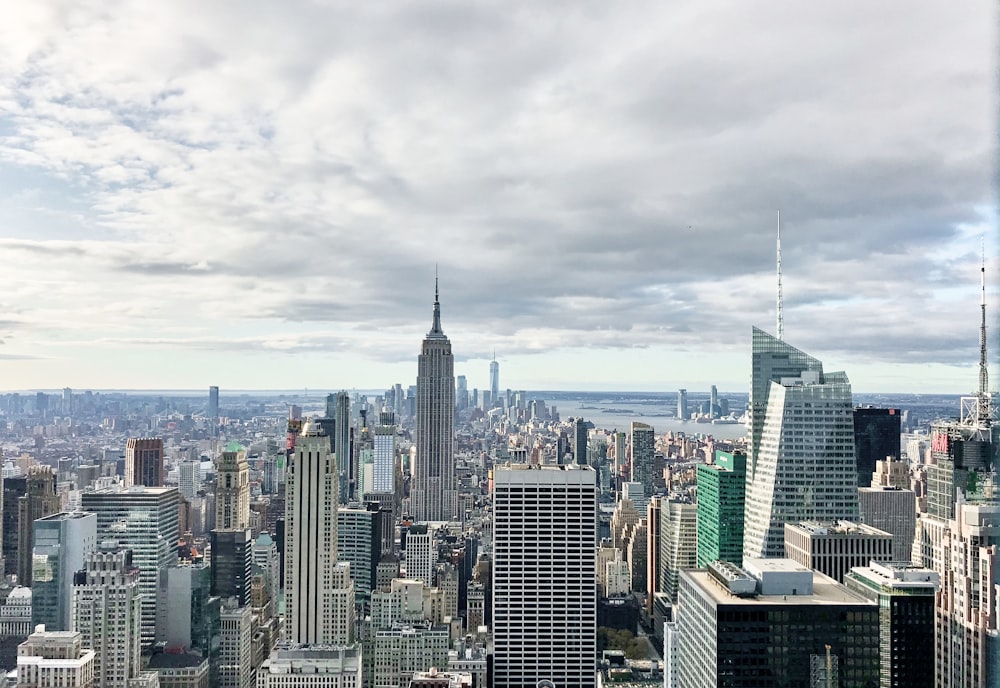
(439, 536)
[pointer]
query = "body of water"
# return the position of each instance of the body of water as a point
(609, 416)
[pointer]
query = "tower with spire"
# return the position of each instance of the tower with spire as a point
(494, 380)
(779, 314)
(433, 496)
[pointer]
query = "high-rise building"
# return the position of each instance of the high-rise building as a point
(145, 521)
(834, 549)
(773, 623)
(144, 462)
(213, 406)
(40, 500)
(876, 436)
(580, 432)
(265, 557)
(359, 543)
(54, 659)
(13, 490)
(544, 572)
(461, 393)
(232, 564)
(678, 542)
(893, 510)
(405, 649)
(713, 402)
(721, 501)
(62, 543)
(189, 479)
(342, 445)
(107, 612)
(642, 441)
(330, 667)
(433, 496)
(191, 620)
(682, 405)
(235, 660)
(384, 455)
(421, 554)
(802, 444)
(905, 596)
(319, 595)
(232, 491)
(494, 380)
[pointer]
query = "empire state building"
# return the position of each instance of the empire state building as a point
(432, 494)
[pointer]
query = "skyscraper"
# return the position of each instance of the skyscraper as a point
(721, 501)
(876, 436)
(232, 491)
(580, 432)
(213, 407)
(145, 521)
(462, 393)
(643, 444)
(144, 462)
(342, 445)
(802, 444)
(432, 494)
(40, 499)
(682, 405)
(544, 591)
(62, 543)
(107, 611)
(319, 595)
(494, 380)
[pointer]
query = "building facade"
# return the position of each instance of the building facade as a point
(144, 461)
(62, 543)
(721, 502)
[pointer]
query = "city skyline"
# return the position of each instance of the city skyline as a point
(258, 200)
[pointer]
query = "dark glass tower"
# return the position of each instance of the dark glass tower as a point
(876, 436)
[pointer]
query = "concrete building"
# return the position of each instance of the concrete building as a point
(544, 578)
(642, 445)
(905, 596)
(721, 502)
(835, 548)
(678, 543)
(39, 500)
(189, 479)
(420, 553)
(773, 623)
(107, 611)
(893, 510)
(359, 544)
(266, 557)
(191, 620)
(144, 462)
(180, 670)
(403, 650)
(15, 613)
(54, 659)
(802, 446)
(433, 495)
(145, 521)
(294, 666)
(319, 594)
(62, 543)
(232, 491)
(235, 659)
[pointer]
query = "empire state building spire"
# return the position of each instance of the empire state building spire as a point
(433, 496)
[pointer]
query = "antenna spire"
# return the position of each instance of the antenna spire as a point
(436, 322)
(780, 325)
(984, 381)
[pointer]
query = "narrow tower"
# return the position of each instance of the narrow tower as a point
(433, 495)
(780, 324)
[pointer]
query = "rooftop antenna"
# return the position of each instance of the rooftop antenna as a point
(984, 380)
(780, 315)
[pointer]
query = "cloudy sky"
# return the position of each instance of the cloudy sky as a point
(255, 194)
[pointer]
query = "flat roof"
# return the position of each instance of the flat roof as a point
(826, 591)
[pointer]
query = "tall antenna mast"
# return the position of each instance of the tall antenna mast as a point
(984, 379)
(780, 315)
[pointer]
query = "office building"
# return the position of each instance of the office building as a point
(905, 596)
(232, 563)
(232, 491)
(678, 542)
(39, 500)
(642, 442)
(15, 614)
(405, 649)
(267, 559)
(191, 620)
(13, 489)
(461, 393)
(384, 462)
(144, 462)
(107, 611)
(544, 592)
(433, 496)
(145, 521)
(180, 670)
(802, 444)
(319, 595)
(721, 502)
(359, 541)
(653, 525)
(682, 405)
(54, 659)
(893, 510)
(835, 548)
(235, 664)
(876, 436)
(773, 623)
(213, 407)
(580, 431)
(494, 380)
(342, 445)
(189, 479)
(62, 543)
(292, 666)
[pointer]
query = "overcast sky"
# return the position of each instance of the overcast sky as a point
(255, 194)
